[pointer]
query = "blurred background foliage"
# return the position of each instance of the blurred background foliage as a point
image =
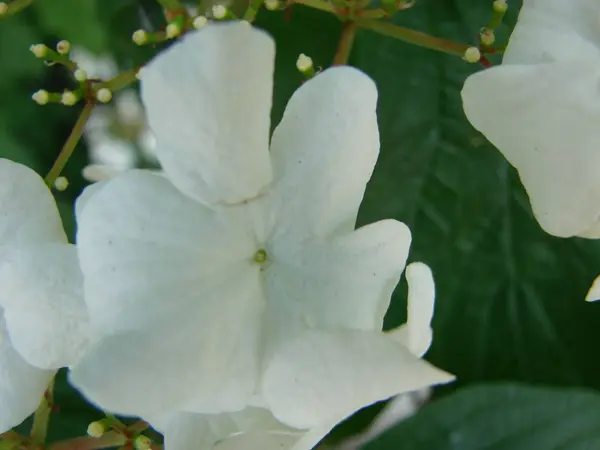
(510, 306)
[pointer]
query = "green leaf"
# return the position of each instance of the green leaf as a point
(74, 20)
(16, 36)
(510, 298)
(502, 417)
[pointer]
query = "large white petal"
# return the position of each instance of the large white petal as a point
(173, 296)
(555, 30)
(544, 119)
(21, 385)
(28, 213)
(343, 283)
(208, 99)
(323, 154)
(252, 428)
(322, 376)
(42, 294)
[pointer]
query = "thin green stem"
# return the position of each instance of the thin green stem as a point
(16, 6)
(171, 4)
(316, 4)
(41, 417)
(107, 440)
(70, 145)
(120, 81)
(413, 36)
(252, 11)
(345, 45)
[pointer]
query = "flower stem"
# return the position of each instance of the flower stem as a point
(39, 429)
(16, 6)
(345, 45)
(107, 440)
(70, 145)
(252, 10)
(413, 36)
(120, 81)
(316, 4)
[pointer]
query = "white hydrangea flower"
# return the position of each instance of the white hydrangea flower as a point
(237, 278)
(43, 321)
(541, 108)
(256, 428)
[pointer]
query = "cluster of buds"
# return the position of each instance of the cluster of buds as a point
(175, 28)
(134, 438)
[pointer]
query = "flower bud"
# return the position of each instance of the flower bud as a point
(69, 98)
(41, 97)
(172, 30)
(80, 75)
(96, 429)
(61, 184)
(142, 443)
(104, 95)
(200, 22)
(500, 6)
(3, 8)
(304, 63)
(272, 5)
(39, 50)
(472, 55)
(487, 37)
(219, 12)
(63, 47)
(140, 37)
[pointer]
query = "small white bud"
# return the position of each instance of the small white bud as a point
(219, 11)
(69, 98)
(3, 8)
(173, 30)
(272, 5)
(472, 55)
(61, 184)
(304, 63)
(500, 6)
(140, 37)
(142, 443)
(96, 429)
(63, 47)
(200, 22)
(39, 50)
(104, 95)
(80, 75)
(488, 37)
(41, 97)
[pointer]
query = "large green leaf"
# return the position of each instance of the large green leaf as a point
(510, 298)
(502, 417)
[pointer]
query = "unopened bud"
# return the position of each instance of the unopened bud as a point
(69, 98)
(39, 50)
(142, 443)
(63, 47)
(219, 12)
(41, 97)
(488, 37)
(272, 5)
(3, 8)
(500, 6)
(472, 55)
(80, 75)
(173, 30)
(140, 37)
(200, 22)
(62, 184)
(96, 429)
(304, 63)
(104, 95)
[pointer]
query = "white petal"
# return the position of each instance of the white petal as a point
(21, 385)
(42, 294)
(343, 283)
(594, 292)
(323, 376)
(162, 273)
(208, 100)
(250, 429)
(555, 30)
(323, 153)
(544, 119)
(28, 213)
(416, 334)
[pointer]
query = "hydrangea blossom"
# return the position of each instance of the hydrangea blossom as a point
(237, 279)
(541, 109)
(43, 321)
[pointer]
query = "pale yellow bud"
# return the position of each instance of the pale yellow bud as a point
(104, 95)
(219, 12)
(272, 5)
(488, 37)
(41, 97)
(142, 443)
(200, 22)
(3, 8)
(500, 6)
(140, 37)
(173, 30)
(39, 50)
(96, 429)
(63, 47)
(61, 184)
(304, 63)
(69, 98)
(80, 75)
(472, 55)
